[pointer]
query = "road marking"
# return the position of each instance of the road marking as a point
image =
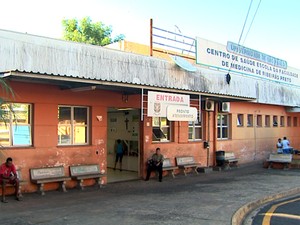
(291, 216)
(270, 212)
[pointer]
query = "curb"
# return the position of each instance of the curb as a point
(239, 216)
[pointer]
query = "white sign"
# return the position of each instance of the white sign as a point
(181, 113)
(159, 101)
(246, 61)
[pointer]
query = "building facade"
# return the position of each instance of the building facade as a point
(72, 101)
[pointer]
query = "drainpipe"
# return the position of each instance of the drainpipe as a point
(208, 139)
(215, 136)
(255, 124)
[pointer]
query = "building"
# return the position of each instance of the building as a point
(73, 101)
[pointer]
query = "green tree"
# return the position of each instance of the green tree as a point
(86, 31)
(6, 94)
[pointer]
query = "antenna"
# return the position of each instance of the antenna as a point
(184, 64)
(182, 50)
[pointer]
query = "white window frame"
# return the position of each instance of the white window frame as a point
(221, 126)
(12, 125)
(195, 126)
(72, 126)
(161, 128)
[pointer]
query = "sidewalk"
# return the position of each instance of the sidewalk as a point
(205, 199)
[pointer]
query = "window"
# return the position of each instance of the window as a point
(223, 126)
(289, 121)
(240, 120)
(282, 121)
(195, 130)
(15, 125)
(275, 121)
(161, 129)
(267, 121)
(259, 121)
(250, 120)
(295, 122)
(73, 125)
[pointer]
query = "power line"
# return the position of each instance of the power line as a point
(252, 21)
(245, 22)
(228, 77)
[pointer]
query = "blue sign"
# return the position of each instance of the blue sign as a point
(253, 54)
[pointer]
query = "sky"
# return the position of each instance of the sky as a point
(274, 30)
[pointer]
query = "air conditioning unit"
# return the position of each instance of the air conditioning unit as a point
(209, 105)
(225, 107)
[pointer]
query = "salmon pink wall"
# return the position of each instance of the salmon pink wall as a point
(179, 146)
(248, 143)
(45, 151)
(257, 142)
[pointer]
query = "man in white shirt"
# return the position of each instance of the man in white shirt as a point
(286, 145)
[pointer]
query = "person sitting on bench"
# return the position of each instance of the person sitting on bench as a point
(8, 175)
(155, 163)
(286, 148)
(279, 146)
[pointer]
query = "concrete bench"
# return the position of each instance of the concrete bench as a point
(284, 159)
(167, 166)
(83, 172)
(186, 162)
(21, 182)
(230, 160)
(43, 175)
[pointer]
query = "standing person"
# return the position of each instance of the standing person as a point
(286, 145)
(119, 154)
(155, 163)
(8, 175)
(279, 146)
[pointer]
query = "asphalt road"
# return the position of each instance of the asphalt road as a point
(282, 212)
(204, 199)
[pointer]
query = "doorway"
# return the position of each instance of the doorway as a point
(123, 124)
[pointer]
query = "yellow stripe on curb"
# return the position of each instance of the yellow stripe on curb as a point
(270, 212)
(283, 215)
(240, 214)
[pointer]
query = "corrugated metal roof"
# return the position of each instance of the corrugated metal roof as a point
(48, 78)
(88, 63)
(51, 59)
